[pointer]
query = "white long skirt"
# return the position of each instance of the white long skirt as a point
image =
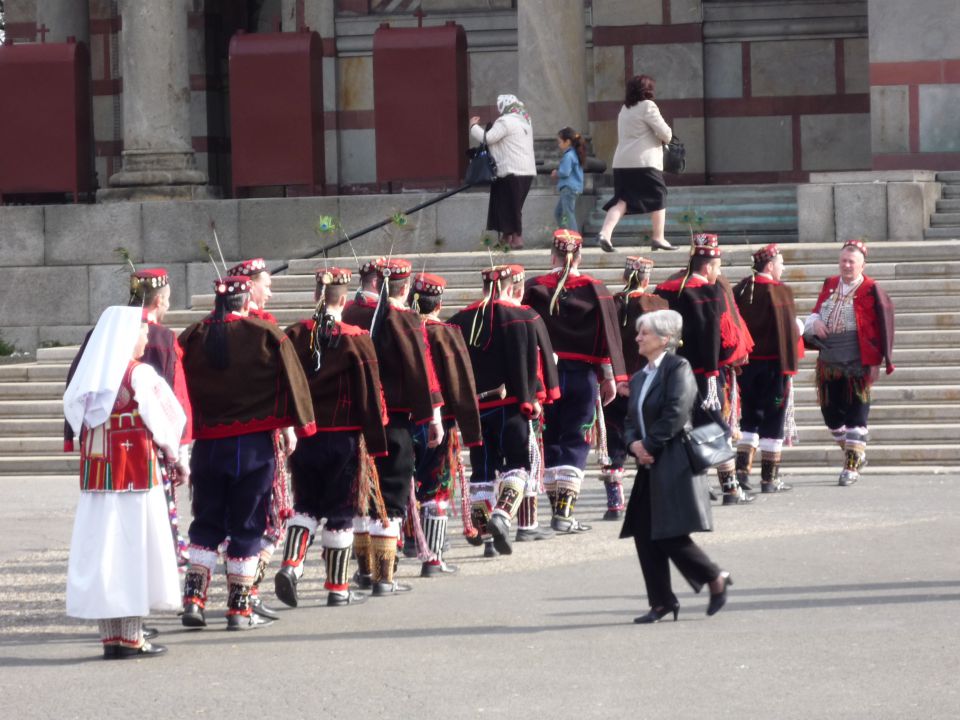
(122, 562)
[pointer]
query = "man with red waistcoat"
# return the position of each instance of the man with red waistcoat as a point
(582, 321)
(502, 341)
(341, 367)
(412, 394)
(852, 327)
(715, 342)
(245, 382)
(438, 467)
(633, 301)
(768, 308)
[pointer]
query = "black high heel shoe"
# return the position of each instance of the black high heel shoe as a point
(718, 600)
(657, 614)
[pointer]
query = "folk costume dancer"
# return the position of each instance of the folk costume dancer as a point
(633, 301)
(502, 342)
(582, 321)
(122, 564)
(769, 310)
(852, 326)
(150, 292)
(328, 468)
(412, 395)
(245, 381)
(284, 441)
(529, 528)
(438, 467)
(714, 342)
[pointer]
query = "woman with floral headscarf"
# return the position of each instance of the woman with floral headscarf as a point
(510, 139)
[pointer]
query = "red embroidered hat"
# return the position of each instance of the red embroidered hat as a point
(373, 265)
(333, 276)
(705, 245)
(150, 278)
(639, 265)
(429, 284)
(495, 273)
(517, 273)
(567, 241)
(765, 254)
(231, 285)
(858, 244)
(249, 268)
(396, 269)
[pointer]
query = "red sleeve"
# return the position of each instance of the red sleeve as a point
(180, 391)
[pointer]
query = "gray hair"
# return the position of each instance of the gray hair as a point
(667, 324)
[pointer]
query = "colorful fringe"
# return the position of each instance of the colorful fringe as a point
(857, 385)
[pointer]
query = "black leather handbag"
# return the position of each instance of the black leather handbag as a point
(674, 156)
(482, 168)
(708, 446)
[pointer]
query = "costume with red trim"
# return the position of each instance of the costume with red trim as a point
(768, 308)
(860, 323)
(245, 381)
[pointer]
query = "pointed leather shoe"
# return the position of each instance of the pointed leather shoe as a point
(718, 600)
(147, 650)
(285, 586)
(657, 614)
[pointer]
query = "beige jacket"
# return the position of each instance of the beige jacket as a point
(511, 144)
(641, 132)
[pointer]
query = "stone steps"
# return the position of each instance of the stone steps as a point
(945, 221)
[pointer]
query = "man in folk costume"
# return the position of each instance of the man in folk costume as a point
(852, 327)
(412, 395)
(582, 320)
(245, 382)
(150, 292)
(714, 340)
(548, 390)
(438, 467)
(122, 564)
(502, 342)
(768, 308)
(261, 282)
(328, 468)
(633, 301)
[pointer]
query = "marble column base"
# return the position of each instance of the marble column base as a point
(143, 193)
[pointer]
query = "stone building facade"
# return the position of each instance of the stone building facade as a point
(759, 91)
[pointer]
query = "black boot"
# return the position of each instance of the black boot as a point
(744, 461)
(770, 481)
(240, 614)
(294, 555)
(733, 494)
(195, 597)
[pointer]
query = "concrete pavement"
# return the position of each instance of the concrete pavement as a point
(846, 604)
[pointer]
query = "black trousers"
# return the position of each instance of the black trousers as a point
(396, 469)
(763, 407)
(655, 555)
(232, 483)
(567, 421)
(506, 434)
(614, 419)
(324, 468)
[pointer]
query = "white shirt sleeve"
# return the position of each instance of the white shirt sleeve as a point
(159, 408)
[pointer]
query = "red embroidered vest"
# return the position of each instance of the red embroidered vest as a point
(119, 456)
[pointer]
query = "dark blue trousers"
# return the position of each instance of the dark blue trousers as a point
(614, 420)
(324, 468)
(396, 469)
(506, 433)
(232, 483)
(763, 403)
(568, 420)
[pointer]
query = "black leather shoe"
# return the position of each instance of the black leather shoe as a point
(713, 496)
(661, 245)
(256, 602)
(385, 589)
(475, 540)
(489, 551)
(337, 599)
(568, 526)
(362, 581)
(499, 528)
(430, 569)
(745, 485)
(247, 622)
(613, 514)
(285, 586)
(147, 650)
(604, 243)
(738, 498)
(657, 614)
(718, 600)
(149, 633)
(533, 534)
(775, 487)
(193, 616)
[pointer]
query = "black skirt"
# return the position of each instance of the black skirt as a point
(507, 195)
(642, 189)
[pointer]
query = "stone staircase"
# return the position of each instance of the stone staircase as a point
(748, 214)
(945, 222)
(915, 419)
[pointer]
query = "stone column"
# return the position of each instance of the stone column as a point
(551, 52)
(63, 19)
(158, 159)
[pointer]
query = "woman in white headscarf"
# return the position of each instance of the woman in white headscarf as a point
(122, 561)
(510, 139)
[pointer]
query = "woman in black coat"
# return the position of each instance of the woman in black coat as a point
(668, 501)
